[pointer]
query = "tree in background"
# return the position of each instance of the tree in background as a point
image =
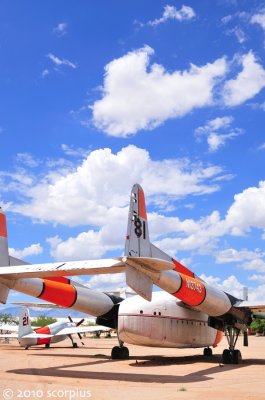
(42, 320)
(258, 326)
(7, 319)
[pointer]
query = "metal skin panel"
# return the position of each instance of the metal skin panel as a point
(163, 323)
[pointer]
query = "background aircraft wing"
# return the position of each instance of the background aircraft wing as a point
(82, 329)
(256, 307)
(8, 327)
(36, 305)
(9, 335)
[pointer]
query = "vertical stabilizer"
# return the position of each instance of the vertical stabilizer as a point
(4, 255)
(137, 239)
(24, 327)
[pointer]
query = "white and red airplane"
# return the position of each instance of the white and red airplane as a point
(187, 313)
(31, 336)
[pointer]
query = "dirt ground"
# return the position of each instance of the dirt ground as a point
(149, 374)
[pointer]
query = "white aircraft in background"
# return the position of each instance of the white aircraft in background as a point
(187, 313)
(31, 336)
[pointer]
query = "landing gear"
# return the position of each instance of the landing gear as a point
(207, 352)
(47, 345)
(232, 356)
(74, 344)
(119, 352)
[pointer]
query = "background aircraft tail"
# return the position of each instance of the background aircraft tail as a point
(24, 327)
(4, 255)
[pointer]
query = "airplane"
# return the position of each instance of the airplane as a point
(31, 336)
(187, 313)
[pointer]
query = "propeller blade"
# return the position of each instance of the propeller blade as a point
(80, 337)
(245, 338)
(80, 322)
(70, 318)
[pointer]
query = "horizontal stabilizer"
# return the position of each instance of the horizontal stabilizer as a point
(139, 282)
(16, 261)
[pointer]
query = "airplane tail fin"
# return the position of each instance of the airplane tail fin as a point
(137, 239)
(138, 244)
(4, 254)
(24, 327)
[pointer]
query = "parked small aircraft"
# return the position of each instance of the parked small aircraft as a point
(30, 336)
(187, 313)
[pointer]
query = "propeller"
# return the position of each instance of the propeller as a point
(77, 324)
(245, 338)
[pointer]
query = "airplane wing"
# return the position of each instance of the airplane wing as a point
(9, 336)
(72, 330)
(89, 267)
(257, 308)
(8, 327)
(36, 305)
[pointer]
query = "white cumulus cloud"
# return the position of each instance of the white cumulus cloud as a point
(171, 13)
(217, 131)
(137, 95)
(32, 250)
(249, 82)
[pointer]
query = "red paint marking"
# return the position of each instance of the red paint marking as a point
(192, 291)
(3, 230)
(141, 204)
(45, 330)
(182, 269)
(59, 279)
(58, 293)
(218, 338)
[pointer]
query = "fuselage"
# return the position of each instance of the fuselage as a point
(164, 322)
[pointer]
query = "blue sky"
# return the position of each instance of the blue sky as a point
(96, 96)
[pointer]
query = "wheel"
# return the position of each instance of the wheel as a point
(227, 357)
(47, 345)
(115, 353)
(207, 352)
(124, 353)
(236, 357)
(75, 346)
(119, 353)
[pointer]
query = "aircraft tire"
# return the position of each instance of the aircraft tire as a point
(227, 357)
(236, 357)
(119, 353)
(207, 352)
